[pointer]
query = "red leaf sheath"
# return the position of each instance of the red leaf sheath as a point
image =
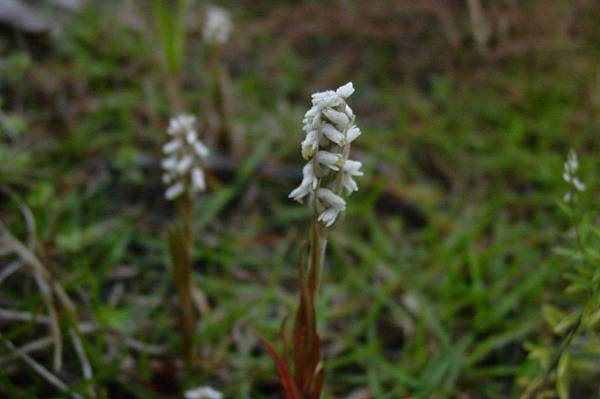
(285, 377)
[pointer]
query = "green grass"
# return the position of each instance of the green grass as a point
(441, 309)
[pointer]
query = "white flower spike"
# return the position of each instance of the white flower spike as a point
(329, 127)
(569, 175)
(185, 155)
(217, 25)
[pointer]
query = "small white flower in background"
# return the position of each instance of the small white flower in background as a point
(203, 393)
(217, 25)
(329, 127)
(569, 175)
(183, 162)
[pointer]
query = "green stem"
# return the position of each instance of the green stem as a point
(566, 343)
(223, 103)
(174, 93)
(318, 245)
(184, 281)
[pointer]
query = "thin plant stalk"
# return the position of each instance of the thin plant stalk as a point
(223, 103)
(307, 346)
(217, 29)
(576, 186)
(186, 207)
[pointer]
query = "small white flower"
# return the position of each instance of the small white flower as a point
(351, 168)
(198, 181)
(334, 205)
(569, 176)
(572, 163)
(184, 164)
(333, 134)
(311, 122)
(338, 118)
(312, 113)
(300, 192)
(201, 150)
(174, 191)
(578, 184)
(331, 199)
(346, 90)
(329, 216)
(352, 134)
(326, 99)
(308, 185)
(349, 184)
(169, 163)
(184, 158)
(349, 111)
(217, 25)
(182, 123)
(191, 137)
(329, 159)
(171, 146)
(310, 144)
(203, 393)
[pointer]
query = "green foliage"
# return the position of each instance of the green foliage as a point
(14, 67)
(169, 17)
(577, 328)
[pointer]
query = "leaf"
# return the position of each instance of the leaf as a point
(307, 344)
(300, 332)
(562, 382)
(552, 315)
(592, 319)
(318, 384)
(314, 357)
(113, 317)
(497, 341)
(566, 322)
(170, 24)
(285, 377)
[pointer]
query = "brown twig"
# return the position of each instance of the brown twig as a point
(41, 370)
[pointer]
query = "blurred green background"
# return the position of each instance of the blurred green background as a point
(436, 280)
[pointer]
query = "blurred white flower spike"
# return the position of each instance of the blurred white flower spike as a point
(569, 175)
(203, 393)
(217, 25)
(330, 129)
(184, 157)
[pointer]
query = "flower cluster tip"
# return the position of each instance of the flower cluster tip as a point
(570, 176)
(217, 25)
(185, 154)
(330, 128)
